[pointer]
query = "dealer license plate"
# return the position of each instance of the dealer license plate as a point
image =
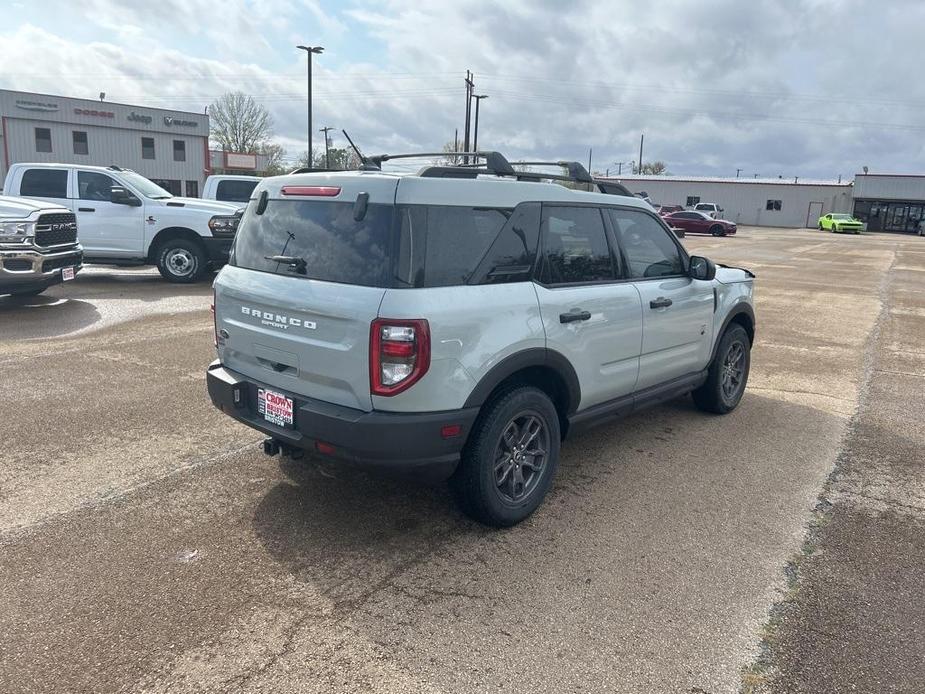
(67, 273)
(275, 408)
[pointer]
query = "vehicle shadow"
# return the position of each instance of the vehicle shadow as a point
(38, 317)
(143, 285)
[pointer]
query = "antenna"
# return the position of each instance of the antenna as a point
(366, 165)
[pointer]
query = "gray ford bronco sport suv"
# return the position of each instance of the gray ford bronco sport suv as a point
(463, 320)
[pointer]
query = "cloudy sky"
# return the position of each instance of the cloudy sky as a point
(810, 88)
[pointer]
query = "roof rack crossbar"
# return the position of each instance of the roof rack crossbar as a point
(494, 161)
(576, 171)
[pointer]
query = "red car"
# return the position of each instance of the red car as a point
(700, 223)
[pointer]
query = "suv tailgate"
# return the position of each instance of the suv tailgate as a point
(307, 337)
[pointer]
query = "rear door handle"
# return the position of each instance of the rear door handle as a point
(86, 209)
(660, 302)
(576, 314)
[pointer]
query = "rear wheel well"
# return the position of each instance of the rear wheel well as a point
(546, 379)
(170, 234)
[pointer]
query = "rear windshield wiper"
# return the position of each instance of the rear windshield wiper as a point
(293, 263)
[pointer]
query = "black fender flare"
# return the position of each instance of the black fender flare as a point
(741, 308)
(537, 356)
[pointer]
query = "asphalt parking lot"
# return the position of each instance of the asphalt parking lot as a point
(146, 545)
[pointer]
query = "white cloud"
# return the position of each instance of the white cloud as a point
(793, 87)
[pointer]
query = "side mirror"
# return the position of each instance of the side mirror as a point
(120, 196)
(702, 268)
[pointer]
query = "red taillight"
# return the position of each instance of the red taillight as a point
(399, 354)
(325, 448)
(318, 191)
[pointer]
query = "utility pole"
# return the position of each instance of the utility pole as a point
(309, 50)
(470, 86)
(327, 157)
(639, 165)
(478, 99)
(590, 150)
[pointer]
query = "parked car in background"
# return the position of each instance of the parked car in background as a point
(710, 208)
(668, 209)
(38, 246)
(840, 222)
(125, 219)
(700, 223)
(230, 188)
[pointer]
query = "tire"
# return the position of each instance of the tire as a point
(503, 425)
(821, 228)
(720, 394)
(834, 228)
(181, 261)
(717, 230)
(27, 292)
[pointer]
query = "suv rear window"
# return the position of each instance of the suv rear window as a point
(409, 246)
(335, 247)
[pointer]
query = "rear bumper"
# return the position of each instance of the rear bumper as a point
(217, 249)
(27, 269)
(382, 439)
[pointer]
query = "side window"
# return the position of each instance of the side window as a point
(455, 241)
(575, 247)
(647, 246)
(512, 255)
(94, 186)
(44, 183)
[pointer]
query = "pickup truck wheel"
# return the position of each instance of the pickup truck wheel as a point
(181, 261)
(728, 373)
(510, 459)
(717, 230)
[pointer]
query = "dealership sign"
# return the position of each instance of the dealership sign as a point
(28, 105)
(179, 122)
(140, 118)
(94, 112)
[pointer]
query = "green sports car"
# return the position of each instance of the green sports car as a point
(840, 222)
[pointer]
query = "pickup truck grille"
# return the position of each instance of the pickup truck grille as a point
(56, 229)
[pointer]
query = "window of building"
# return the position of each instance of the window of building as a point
(179, 150)
(44, 183)
(647, 246)
(192, 189)
(81, 146)
(692, 200)
(42, 140)
(147, 148)
(772, 205)
(575, 246)
(170, 185)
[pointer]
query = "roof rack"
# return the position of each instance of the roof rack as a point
(494, 163)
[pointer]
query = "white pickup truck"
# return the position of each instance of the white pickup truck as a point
(125, 219)
(230, 188)
(38, 246)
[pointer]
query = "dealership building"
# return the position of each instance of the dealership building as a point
(775, 202)
(169, 147)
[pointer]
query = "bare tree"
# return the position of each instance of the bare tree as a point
(656, 168)
(239, 123)
(275, 155)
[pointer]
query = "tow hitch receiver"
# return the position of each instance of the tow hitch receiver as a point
(271, 447)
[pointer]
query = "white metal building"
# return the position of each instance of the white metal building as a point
(755, 201)
(169, 147)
